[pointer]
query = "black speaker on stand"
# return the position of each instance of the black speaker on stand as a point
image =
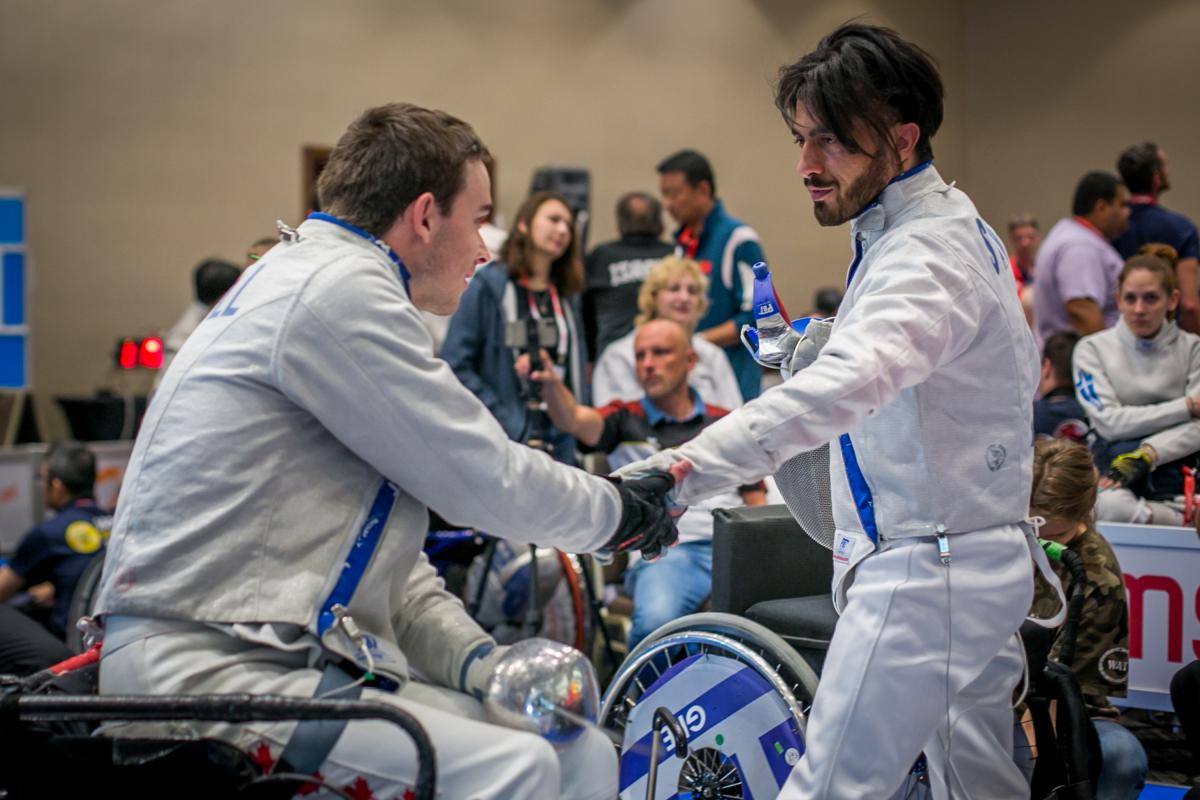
(573, 183)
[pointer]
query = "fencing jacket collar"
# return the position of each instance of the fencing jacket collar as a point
(1165, 339)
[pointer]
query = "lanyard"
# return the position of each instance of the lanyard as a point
(690, 242)
(560, 319)
(374, 240)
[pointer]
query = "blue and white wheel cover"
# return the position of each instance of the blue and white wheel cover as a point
(723, 704)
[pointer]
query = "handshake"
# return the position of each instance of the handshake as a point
(647, 512)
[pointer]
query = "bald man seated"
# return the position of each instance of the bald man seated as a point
(669, 413)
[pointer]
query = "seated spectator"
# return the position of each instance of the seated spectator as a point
(1076, 267)
(539, 274)
(25, 646)
(1185, 699)
(1024, 236)
(667, 414)
(826, 302)
(212, 278)
(1143, 167)
(259, 249)
(1056, 412)
(1064, 490)
(60, 548)
(614, 271)
(1139, 383)
(675, 289)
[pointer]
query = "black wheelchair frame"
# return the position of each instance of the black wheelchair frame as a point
(55, 762)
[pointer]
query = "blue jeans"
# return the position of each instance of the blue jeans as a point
(1124, 771)
(666, 589)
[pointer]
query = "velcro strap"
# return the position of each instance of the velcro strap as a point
(313, 739)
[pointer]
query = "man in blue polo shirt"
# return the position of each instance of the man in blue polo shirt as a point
(1143, 167)
(725, 248)
(60, 548)
(668, 414)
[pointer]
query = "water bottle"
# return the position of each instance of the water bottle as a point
(772, 339)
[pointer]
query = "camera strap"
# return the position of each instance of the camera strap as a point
(560, 319)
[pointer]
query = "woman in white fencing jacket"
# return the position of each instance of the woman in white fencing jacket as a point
(1139, 383)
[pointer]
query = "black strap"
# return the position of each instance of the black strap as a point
(313, 739)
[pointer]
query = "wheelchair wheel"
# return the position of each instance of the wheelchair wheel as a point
(741, 693)
(564, 609)
(83, 600)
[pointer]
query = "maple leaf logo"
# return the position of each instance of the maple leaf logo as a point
(359, 790)
(261, 756)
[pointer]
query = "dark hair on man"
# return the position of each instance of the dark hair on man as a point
(693, 165)
(639, 214)
(869, 74)
(566, 272)
(826, 300)
(1058, 349)
(1024, 220)
(1092, 188)
(390, 156)
(212, 278)
(1137, 165)
(73, 464)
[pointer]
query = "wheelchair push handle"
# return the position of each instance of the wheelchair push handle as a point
(663, 718)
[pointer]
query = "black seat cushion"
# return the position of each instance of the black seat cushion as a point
(802, 621)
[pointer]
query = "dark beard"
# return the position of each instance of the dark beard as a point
(862, 191)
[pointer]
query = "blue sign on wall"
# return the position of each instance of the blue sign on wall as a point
(14, 285)
(12, 219)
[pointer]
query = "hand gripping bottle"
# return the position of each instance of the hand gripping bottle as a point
(772, 339)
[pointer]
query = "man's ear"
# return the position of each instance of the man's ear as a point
(905, 137)
(421, 218)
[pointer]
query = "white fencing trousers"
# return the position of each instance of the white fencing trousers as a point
(1122, 505)
(924, 657)
(474, 759)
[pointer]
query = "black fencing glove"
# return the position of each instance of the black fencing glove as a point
(1129, 468)
(646, 523)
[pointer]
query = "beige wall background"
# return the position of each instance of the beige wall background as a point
(152, 133)
(1060, 88)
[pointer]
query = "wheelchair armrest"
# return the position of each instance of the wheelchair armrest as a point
(762, 553)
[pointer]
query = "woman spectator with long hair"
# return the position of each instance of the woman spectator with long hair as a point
(539, 274)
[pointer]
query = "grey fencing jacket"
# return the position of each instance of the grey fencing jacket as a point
(288, 459)
(924, 389)
(1135, 388)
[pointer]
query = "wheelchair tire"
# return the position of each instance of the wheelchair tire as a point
(764, 684)
(83, 601)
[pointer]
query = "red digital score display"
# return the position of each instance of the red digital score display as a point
(145, 353)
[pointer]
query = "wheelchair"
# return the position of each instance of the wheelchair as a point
(45, 730)
(738, 682)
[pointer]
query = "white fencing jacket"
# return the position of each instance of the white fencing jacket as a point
(1136, 388)
(290, 453)
(925, 388)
